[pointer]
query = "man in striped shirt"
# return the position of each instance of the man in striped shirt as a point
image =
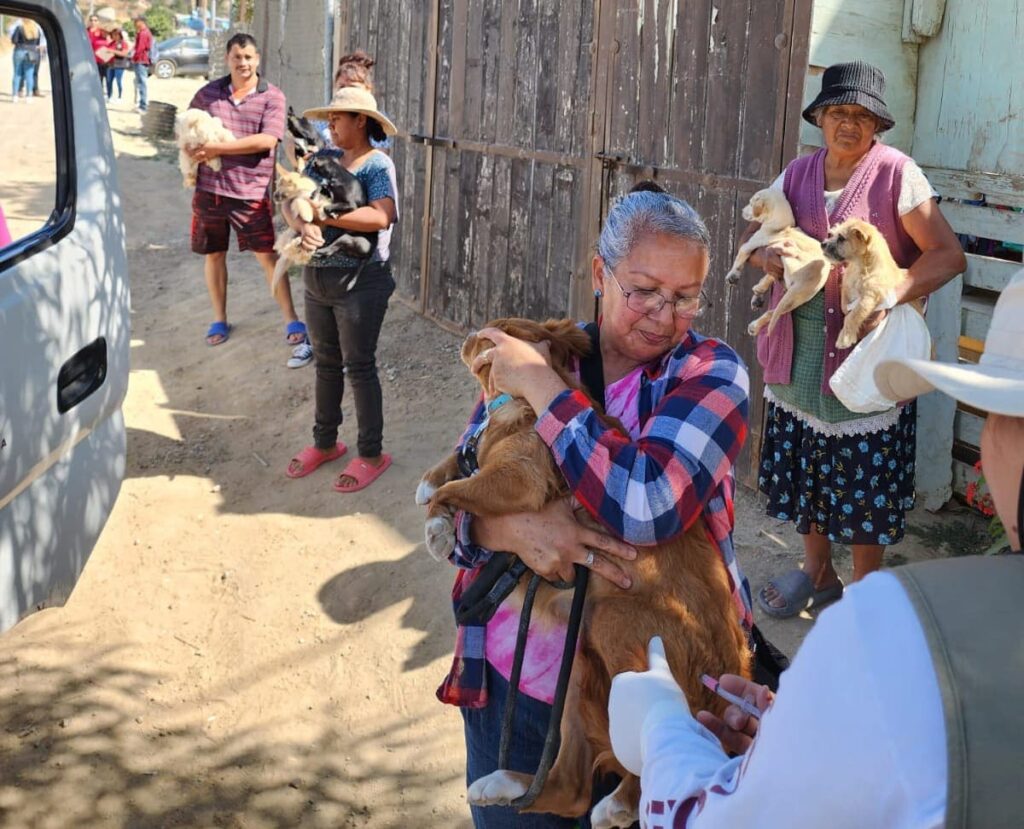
(238, 195)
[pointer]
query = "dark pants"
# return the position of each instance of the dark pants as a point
(343, 327)
(483, 734)
(115, 74)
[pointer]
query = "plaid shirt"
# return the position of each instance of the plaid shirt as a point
(693, 422)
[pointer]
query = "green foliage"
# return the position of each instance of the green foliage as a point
(161, 22)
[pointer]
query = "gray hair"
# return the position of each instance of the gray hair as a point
(645, 213)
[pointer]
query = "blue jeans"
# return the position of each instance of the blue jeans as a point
(141, 79)
(483, 734)
(114, 73)
(25, 67)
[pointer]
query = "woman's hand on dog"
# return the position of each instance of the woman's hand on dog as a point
(736, 729)
(552, 541)
(769, 260)
(519, 368)
(312, 236)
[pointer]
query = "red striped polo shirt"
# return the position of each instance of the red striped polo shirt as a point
(245, 177)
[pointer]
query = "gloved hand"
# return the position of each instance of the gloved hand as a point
(633, 697)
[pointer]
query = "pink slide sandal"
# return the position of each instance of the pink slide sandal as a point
(311, 458)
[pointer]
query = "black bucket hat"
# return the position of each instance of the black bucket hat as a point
(853, 83)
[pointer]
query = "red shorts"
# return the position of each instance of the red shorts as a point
(213, 217)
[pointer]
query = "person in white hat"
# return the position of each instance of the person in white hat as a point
(347, 296)
(903, 707)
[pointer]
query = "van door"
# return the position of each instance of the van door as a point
(64, 313)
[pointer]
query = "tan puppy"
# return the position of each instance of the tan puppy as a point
(297, 197)
(194, 128)
(871, 273)
(804, 267)
(680, 591)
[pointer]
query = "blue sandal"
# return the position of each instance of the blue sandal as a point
(218, 329)
(294, 328)
(798, 593)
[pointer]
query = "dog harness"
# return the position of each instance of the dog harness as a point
(468, 462)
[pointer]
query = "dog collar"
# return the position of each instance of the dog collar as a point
(498, 402)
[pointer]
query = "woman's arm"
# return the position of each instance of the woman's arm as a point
(377, 215)
(649, 490)
(942, 256)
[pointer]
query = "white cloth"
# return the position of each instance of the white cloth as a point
(915, 189)
(855, 737)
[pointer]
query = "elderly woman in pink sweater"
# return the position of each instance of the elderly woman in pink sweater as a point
(841, 476)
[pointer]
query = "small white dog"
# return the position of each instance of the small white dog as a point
(805, 268)
(194, 128)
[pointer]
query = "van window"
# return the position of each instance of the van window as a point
(28, 143)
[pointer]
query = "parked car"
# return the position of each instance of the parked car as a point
(64, 337)
(182, 55)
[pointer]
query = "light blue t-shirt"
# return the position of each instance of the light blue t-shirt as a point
(377, 175)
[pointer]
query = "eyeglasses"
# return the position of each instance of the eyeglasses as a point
(861, 119)
(651, 302)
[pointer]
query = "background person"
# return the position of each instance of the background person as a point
(841, 476)
(347, 298)
(238, 196)
(918, 724)
(122, 49)
(27, 38)
(662, 380)
(100, 42)
(142, 58)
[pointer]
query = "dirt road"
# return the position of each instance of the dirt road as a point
(244, 650)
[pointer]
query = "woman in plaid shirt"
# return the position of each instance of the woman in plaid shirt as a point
(683, 399)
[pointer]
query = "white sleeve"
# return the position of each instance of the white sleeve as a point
(855, 737)
(915, 188)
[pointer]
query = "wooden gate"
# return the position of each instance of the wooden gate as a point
(522, 120)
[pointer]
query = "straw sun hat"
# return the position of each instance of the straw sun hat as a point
(995, 384)
(353, 99)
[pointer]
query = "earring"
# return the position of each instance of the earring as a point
(598, 294)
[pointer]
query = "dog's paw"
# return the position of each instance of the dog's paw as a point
(612, 813)
(846, 340)
(499, 788)
(732, 277)
(753, 329)
(440, 537)
(757, 302)
(424, 492)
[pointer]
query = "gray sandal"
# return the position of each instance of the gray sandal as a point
(797, 590)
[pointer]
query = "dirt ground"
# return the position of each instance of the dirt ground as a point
(245, 650)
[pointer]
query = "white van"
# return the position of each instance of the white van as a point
(64, 310)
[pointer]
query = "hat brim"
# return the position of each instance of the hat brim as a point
(989, 388)
(323, 113)
(842, 97)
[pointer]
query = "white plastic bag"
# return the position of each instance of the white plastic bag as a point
(903, 333)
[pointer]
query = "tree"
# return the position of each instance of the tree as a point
(161, 22)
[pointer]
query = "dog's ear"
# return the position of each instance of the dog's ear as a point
(566, 340)
(858, 232)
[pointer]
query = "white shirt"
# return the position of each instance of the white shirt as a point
(856, 736)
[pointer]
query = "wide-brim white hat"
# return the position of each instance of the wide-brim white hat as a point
(353, 99)
(995, 384)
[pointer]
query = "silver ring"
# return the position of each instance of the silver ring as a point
(588, 562)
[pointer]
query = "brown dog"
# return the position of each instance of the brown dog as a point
(871, 273)
(680, 591)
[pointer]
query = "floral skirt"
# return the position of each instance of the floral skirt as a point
(856, 488)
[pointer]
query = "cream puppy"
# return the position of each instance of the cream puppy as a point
(805, 267)
(194, 128)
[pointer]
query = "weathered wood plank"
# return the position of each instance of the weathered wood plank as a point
(482, 193)
(445, 44)
(539, 244)
(725, 83)
(505, 103)
(987, 222)
(967, 427)
(625, 83)
(989, 273)
(563, 254)
(519, 238)
(999, 188)
(548, 79)
(976, 315)
(526, 62)
(689, 90)
(499, 254)
(491, 51)
(761, 135)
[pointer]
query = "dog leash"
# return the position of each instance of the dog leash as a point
(592, 375)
